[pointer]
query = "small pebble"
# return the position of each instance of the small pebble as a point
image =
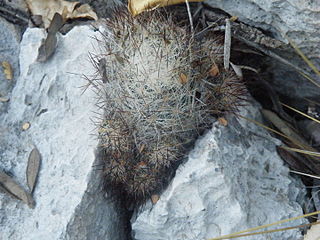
(25, 126)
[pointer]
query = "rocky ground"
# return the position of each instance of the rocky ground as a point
(233, 179)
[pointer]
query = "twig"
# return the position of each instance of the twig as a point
(227, 45)
(190, 17)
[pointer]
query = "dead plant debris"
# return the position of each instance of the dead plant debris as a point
(70, 10)
(33, 168)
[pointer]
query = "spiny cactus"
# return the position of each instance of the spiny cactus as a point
(158, 95)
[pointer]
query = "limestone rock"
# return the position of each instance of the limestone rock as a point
(9, 49)
(297, 19)
(68, 195)
(232, 180)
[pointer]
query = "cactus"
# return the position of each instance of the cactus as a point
(158, 94)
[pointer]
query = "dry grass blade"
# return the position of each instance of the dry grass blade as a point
(310, 153)
(15, 189)
(311, 101)
(268, 231)
(286, 129)
(303, 114)
(264, 126)
(310, 79)
(304, 57)
(33, 168)
(305, 174)
(236, 234)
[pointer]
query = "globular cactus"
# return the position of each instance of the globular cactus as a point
(158, 93)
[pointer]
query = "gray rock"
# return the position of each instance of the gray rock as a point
(296, 19)
(9, 51)
(232, 180)
(68, 195)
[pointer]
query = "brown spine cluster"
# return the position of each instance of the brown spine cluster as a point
(159, 89)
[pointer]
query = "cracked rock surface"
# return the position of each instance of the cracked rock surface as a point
(68, 195)
(232, 180)
(297, 19)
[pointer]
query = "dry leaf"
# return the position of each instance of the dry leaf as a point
(138, 6)
(183, 78)
(223, 121)
(15, 189)
(4, 99)
(214, 70)
(25, 126)
(84, 11)
(7, 70)
(33, 168)
(155, 198)
(70, 10)
(48, 46)
(313, 233)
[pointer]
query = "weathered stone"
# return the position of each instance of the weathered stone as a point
(297, 19)
(68, 195)
(9, 51)
(232, 180)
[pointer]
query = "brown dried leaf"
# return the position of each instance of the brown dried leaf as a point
(214, 70)
(138, 6)
(33, 167)
(84, 11)
(4, 99)
(183, 78)
(15, 189)
(7, 70)
(48, 45)
(70, 10)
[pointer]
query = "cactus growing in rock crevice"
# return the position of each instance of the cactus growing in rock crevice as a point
(158, 92)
